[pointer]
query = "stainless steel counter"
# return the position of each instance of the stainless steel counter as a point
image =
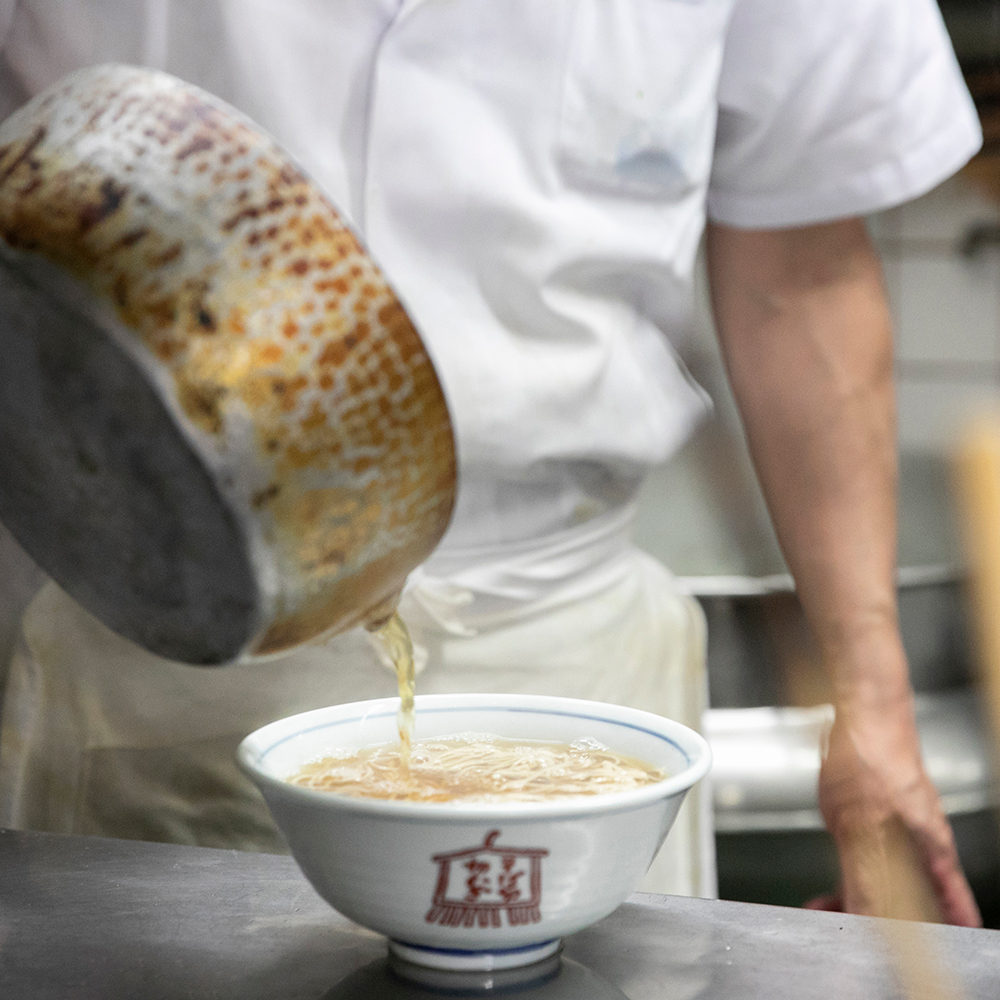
(82, 917)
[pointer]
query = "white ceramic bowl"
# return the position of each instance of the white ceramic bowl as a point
(476, 886)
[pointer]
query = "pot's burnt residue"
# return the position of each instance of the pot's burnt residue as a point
(243, 282)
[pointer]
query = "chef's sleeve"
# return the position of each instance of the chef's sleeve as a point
(835, 109)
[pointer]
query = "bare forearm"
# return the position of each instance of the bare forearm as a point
(807, 341)
(805, 332)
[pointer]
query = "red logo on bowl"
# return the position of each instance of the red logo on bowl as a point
(477, 884)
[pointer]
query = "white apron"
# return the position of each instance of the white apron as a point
(100, 737)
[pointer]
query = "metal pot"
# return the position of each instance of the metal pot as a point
(219, 430)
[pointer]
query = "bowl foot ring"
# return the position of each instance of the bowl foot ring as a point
(473, 961)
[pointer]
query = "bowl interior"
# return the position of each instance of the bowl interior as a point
(278, 750)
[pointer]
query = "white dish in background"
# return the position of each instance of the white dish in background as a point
(540, 870)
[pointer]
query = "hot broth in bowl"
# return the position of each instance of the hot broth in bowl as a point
(454, 872)
(478, 767)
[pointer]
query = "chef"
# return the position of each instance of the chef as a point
(535, 177)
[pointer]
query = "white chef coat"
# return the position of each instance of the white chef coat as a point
(534, 177)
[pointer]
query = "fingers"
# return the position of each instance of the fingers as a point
(958, 905)
(892, 871)
(897, 851)
(931, 887)
(933, 842)
(954, 896)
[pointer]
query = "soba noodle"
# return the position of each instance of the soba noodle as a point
(476, 767)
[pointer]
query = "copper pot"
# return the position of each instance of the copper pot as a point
(219, 430)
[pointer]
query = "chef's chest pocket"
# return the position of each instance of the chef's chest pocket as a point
(639, 95)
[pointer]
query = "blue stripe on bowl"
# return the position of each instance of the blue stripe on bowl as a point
(480, 708)
(477, 951)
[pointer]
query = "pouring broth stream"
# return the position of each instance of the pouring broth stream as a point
(468, 767)
(395, 639)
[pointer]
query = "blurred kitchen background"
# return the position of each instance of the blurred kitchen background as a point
(703, 515)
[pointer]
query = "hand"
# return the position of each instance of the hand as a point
(896, 847)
